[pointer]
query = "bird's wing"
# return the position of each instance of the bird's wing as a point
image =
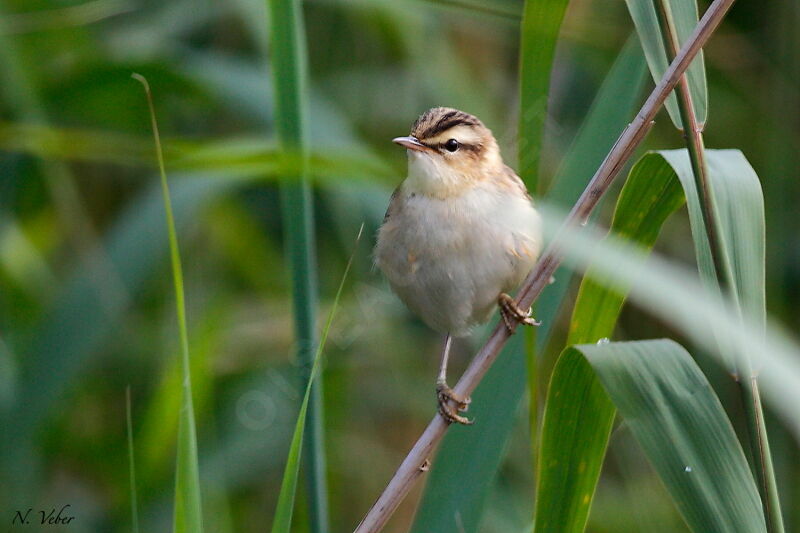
(394, 205)
(510, 179)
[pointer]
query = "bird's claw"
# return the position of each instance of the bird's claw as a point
(445, 395)
(513, 315)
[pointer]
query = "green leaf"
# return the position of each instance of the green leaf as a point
(188, 509)
(288, 58)
(578, 414)
(651, 193)
(541, 23)
(739, 202)
(282, 522)
(229, 158)
(671, 292)
(680, 424)
(611, 111)
(684, 14)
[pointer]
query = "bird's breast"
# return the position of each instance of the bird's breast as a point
(476, 234)
(448, 259)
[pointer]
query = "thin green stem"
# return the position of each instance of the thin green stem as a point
(188, 516)
(748, 385)
(288, 69)
(131, 464)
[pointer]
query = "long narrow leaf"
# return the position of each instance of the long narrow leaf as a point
(188, 510)
(610, 112)
(288, 67)
(738, 212)
(578, 413)
(282, 522)
(740, 207)
(672, 292)
(738, 194)
(541, 23)
(684, 14)
(235, 158)
(680, 424)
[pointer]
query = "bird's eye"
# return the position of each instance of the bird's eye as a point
(451, 145)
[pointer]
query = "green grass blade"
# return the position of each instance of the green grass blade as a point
(737, 192)
(288, 66)
(610, 112)
(684, 13)
(131, 463)
(282, 522)
(541, 22)
(160, 415)
(188, 509)
(578, 414)
(229, 158)
(672, 292)
(740, 207)
(739, 210)
(461, 477)
(680, 424)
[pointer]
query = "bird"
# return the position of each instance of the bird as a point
(460, 233)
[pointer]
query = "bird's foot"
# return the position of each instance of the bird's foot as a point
(445, 395)
(513, 315)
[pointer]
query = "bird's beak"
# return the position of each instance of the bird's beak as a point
(412, 143)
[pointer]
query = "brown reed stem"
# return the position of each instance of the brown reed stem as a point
(537, 280)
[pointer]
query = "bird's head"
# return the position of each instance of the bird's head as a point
(448, 151)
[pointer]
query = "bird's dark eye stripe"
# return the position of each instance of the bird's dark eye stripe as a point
(461, 146)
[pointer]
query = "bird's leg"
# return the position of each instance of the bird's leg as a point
(445, 395)
(512, 314)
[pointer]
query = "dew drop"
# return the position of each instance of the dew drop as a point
(602, 341)
(687, 469)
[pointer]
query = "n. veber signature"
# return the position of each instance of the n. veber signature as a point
(45, 517)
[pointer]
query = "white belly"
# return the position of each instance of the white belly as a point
(449, 259)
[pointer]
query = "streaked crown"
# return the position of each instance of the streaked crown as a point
(449, 130)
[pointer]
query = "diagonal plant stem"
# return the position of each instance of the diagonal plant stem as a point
(417, 462)
(748, 384)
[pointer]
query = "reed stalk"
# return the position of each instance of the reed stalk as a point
(748, 384)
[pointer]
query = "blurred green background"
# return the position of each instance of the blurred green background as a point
(86, 301)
